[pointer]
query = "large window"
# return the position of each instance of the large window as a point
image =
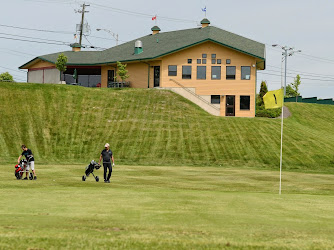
(186, 72)
(244, 102)
(245, 72)
(215, 72)
(215, 99)
(201, 72)
(172, 70)
(230, 72)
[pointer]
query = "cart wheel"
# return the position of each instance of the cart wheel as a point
(31, 176)
(97, 179)
(83, 178)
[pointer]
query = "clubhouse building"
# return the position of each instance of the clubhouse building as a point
(214, 68)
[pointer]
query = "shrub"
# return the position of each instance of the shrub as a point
(271, 113)
(6, 77)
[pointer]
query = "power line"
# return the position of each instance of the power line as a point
(53, 42)
(49, 40)
(24, 40)
(20, 71)
(298, 71)
(49, 31)
(123, 11)
(313, 79)
(302, 75)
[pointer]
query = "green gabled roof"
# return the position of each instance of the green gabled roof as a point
(155, 46)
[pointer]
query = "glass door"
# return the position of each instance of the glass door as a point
(230, 105)
(156, 76)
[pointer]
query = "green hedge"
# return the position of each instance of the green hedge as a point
(271, 113)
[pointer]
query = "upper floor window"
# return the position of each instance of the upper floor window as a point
(213, 61)
(228, 61)
(172, 70)
(201, 72)
(199, 61)
(190, 60)
(230, 72)
(245, 72)
(215, 72)
(219, 61)
(203, 61)
(213, 56)
(186, 72)
(244, 102)
(204, 55)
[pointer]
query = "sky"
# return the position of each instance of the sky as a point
(305, 25)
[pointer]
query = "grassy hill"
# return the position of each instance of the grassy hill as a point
(70, 124)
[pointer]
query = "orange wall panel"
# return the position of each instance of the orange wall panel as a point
(41, 64)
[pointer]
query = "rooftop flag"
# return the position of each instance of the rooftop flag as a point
(273, 99)
(204, 9)
(154, 18)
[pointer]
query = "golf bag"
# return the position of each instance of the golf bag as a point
(20, 169)
(90, 169)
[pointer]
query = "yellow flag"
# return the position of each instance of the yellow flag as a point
(273, 99)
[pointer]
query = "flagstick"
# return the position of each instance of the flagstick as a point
(281, 157)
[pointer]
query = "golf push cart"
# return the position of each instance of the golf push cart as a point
(90, 169)
(21, 168)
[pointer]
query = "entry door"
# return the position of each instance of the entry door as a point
(111, 75)
(230, 105)
(156, 76)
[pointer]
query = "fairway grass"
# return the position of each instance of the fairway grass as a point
(146, 207)
(64, 124)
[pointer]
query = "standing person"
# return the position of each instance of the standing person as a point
(106, 155)
(30, 161)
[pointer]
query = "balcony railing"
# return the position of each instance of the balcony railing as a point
(118, 84)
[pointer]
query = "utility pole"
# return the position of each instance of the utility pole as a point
(83, 11)
(287, 51)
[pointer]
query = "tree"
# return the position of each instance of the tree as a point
(295, 86)
(122, 71)
(61, 63)
(6, 77)
(290, 92)
(263, 91)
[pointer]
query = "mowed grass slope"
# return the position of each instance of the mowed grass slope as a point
(155, 207)
(70, 124)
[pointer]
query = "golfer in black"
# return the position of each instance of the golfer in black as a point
(106, 154)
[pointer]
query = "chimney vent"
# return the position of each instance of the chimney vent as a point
(75, 47)
(155, 30)
(205, 23)
(138, 47)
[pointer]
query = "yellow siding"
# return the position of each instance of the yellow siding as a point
(104, 75)
(138, 73)
(224, 87)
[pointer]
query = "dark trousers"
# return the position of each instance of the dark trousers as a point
(106, 166)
